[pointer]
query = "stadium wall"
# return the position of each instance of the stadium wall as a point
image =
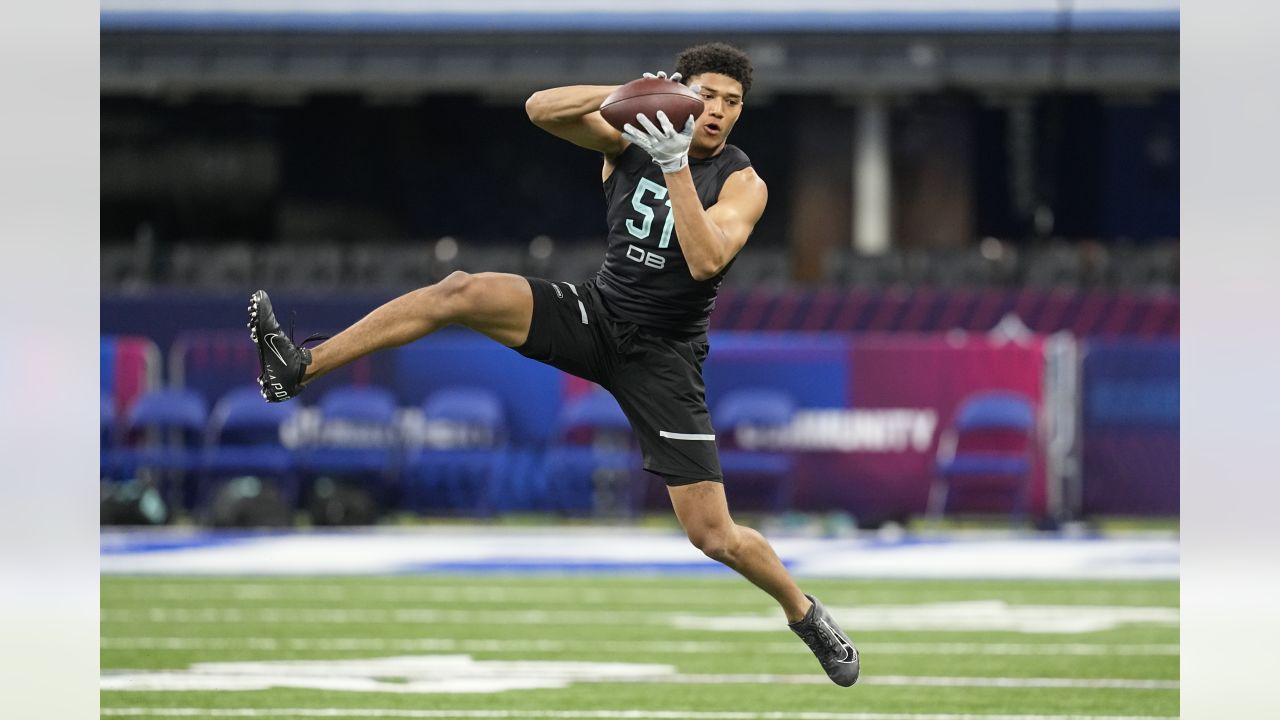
(873, 406)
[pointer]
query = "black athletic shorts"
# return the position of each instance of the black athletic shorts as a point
(656, 379)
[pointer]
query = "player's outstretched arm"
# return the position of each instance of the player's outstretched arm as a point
(573, 113)
(710, 238)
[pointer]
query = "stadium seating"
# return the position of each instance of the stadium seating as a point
(161, 438)
(546, 459)
(314, 266)
(211, 266)
(244, 438)
(123, 268)
(454, 464)
(990, 446)
(404, 264)
(356, 437)
(762, 267)
(401, 266)
(1084, 313)
(590, 465)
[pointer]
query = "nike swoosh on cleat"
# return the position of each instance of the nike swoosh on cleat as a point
(271, 344)
(849, 653)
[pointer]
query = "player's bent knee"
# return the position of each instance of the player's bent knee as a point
(456, 283)
(470, 289)
(716, 544)
(456, 294)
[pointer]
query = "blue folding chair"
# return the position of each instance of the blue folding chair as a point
(456, 468)
(244, 438)
(991, 444)
(589, 466)
(356, 439)
(163, 434)
(742, 414)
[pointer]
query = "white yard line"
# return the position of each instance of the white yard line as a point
(1087, 649)
(991, 615)
(429, 616)
(207, 675)
(691, 647)
(913, 681)
(580, 714)
(718, 597)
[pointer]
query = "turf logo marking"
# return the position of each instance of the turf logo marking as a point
(428, 674)
(415, 674)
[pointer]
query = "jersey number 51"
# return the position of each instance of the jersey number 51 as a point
(645, 228)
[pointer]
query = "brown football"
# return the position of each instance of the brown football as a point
(648, 96)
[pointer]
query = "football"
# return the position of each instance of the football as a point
(648, 96)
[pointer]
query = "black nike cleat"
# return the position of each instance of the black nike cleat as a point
(283, 364)
(828, 642)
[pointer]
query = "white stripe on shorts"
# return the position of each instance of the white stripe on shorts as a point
(581, 308)
(684, 436)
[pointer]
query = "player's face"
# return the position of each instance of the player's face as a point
(722, 104)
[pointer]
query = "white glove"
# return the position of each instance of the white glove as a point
(668, 148)
(662, 75)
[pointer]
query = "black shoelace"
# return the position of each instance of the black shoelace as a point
(315, 337)
(818, 639)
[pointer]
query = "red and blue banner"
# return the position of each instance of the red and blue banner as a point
(873, 408)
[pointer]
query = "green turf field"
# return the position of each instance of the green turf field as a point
(930, 649)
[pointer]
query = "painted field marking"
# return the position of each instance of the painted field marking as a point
(428, 674)
(718, 597)
(492, 550)
(472, 594)
(971, 616)
(582, 714)
(405, 675)
(918, 681)
(343, 616)
(1086, 649)
(689, 647)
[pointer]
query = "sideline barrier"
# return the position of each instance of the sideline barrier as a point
(1131, 428)
(870, 411)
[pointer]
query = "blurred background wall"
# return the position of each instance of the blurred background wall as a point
(935, 167)
(927, 128)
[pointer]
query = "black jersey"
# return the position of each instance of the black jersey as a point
(645, 279)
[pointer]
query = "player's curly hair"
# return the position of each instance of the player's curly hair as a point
(717, 58)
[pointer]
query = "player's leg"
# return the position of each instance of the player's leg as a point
(703, 511)
(661, 390)
(659, 386)
(495, 304)
(498, 305)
